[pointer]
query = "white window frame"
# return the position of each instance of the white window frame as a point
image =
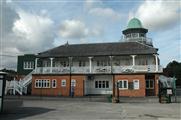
(54, 81)
(28, 64)
(102, 83)
(123, 84)
(63, 82)
(73, 82)
(134, 84)
(42, 83)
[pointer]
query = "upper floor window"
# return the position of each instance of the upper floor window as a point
(103, 63)
(28, 65)
(81, 63)
(134, 35)
(46, 64)
(128, 36)
(141, 35)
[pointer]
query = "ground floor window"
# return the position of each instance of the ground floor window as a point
(63, 83)
(150, 84)
(102, 84)
(136, 84)
(54, 83)
(123, 84)
(42, 83)
(73, 83)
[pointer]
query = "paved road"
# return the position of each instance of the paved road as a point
(75, 110)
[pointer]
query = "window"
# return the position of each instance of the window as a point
(123, 84)
(150, 84)
(28, 65)
(54, 83)
(102, 84)
(42, 83)
(46, 63)
(136, 84)
(73, 83)
(81, 63)
(63, 83)
(134, 35)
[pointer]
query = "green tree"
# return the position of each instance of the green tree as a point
(173, 69)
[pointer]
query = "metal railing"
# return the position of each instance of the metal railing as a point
(98, 69)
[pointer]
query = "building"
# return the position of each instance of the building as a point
(26, 63)
(130, 67)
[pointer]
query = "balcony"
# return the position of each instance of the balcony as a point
(99, 69)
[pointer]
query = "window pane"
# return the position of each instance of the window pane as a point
(103, 84)
(107, 84)
(125, 84)
(100, 84)
(120, 84)
(147, 84)
(96, 84)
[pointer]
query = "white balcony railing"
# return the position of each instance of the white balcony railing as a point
(101, 69)
(98, 69)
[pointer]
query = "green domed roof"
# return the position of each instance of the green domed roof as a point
(134, 23)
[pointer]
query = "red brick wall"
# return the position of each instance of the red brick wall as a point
(132, 93)
(156, 84)
(59, 90)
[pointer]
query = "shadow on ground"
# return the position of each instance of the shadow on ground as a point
(22, 112)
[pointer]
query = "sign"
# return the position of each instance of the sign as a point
(169, 91)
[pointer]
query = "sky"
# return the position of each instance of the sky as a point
(33, 26)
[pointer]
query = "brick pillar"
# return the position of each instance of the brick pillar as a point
(156, 84)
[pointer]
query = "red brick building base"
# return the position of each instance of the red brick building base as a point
(79, 87)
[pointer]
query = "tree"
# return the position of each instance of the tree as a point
(173, 69)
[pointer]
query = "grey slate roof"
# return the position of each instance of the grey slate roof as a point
(99, 49)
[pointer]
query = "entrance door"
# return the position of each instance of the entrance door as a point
(150, 89)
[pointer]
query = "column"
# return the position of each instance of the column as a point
(70, 64)
(51, 64)
(133, 59)
(90, 64)
(111, 59)
(156, 62)
(36, 64)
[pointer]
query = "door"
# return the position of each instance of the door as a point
(150, 89)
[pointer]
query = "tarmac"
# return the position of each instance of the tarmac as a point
(87, 108)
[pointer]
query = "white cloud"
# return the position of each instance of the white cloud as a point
(158, 14)
(23, 33)
(35, 30)
(107, 13)
(75, 29)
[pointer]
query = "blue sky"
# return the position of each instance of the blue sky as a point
(32, 26)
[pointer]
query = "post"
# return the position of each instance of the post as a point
(90, 64)
(156, 62)
(14, 86)
(111, 59)
(36, 64)
(2, 89)
(51, 64)
(133, 60)
(70, 68)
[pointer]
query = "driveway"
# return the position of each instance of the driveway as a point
(83, 110)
